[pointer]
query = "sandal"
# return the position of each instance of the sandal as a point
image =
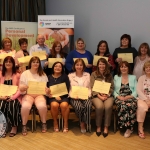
(12, 134)
(24, 130)
(44, 127)
(65, 130)
(141, 135)
(56, 129)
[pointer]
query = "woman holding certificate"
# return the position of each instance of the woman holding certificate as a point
(32, 82)
(10, 105)
(59, 96)
(80, 52)
(80, 93)
(56, 52)
(102, 101)
(124, 49)
(103, 51)
(143, 103)
(125, 97)
(23, 42)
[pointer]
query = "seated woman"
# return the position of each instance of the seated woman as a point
(103, 50)
(58, 76)
(143, 103)
(23, 42)
(125, 97)
(56, 52)
(143, 56)
(103, 103)
(10, 106)
(35, 73)
(82, 107)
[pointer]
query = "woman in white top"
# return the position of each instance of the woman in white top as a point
(35, 73)
(143, 56)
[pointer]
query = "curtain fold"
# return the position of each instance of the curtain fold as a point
(21, 10)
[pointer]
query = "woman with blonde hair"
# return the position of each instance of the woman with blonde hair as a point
(143, 103)
(79, 52)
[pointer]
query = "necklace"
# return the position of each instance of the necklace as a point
(55, 79)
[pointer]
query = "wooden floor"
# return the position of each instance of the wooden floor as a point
(74, 140)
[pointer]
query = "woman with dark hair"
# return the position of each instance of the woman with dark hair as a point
(10, 105)
(57, 77)
(125, 97)
(82, 106)
(143, 56)
(23, 42)
(103, 50)
(56, 52)
(35, 73)
(125, 47)
(103, 103)
(79, 52)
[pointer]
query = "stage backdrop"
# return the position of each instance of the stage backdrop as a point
(57, 28)
(16, 30)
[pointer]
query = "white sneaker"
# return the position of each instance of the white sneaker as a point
(127, 133)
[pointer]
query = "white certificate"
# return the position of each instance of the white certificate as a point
(58, 90)
(96, 58)
(3, 55)
(24, 60)
(7, 90)
(80, 92)
(101, 87)
(126, 57)
(36, 88)
(51, 61)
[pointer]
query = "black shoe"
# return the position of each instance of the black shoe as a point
(12, 134)
(98, 133)
(105, 134)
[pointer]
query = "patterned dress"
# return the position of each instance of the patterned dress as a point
(126, 109)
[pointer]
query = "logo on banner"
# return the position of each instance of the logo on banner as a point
(41, 24)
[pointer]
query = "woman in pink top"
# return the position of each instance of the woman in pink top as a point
(10, 105)
(143, 56)
(143, 90)
(82, 106)
(35, 73)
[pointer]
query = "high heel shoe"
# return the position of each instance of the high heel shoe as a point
(105, 134)
(98, 133)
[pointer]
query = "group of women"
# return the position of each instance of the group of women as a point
(129, 92)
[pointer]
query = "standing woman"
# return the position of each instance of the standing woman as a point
(7, 48)
(125, 97)
(143, 91)
(57, 77)
(103, 103)
(79, 52)
(23, 42)
(82, 107)
(103, 50)
(125, 47)
(56, 52)
(10, 106)
(35, 73)
(143, 56)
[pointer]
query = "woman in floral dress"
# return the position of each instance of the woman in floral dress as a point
(125, 97)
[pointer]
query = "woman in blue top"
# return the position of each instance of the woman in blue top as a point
(80, 52)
